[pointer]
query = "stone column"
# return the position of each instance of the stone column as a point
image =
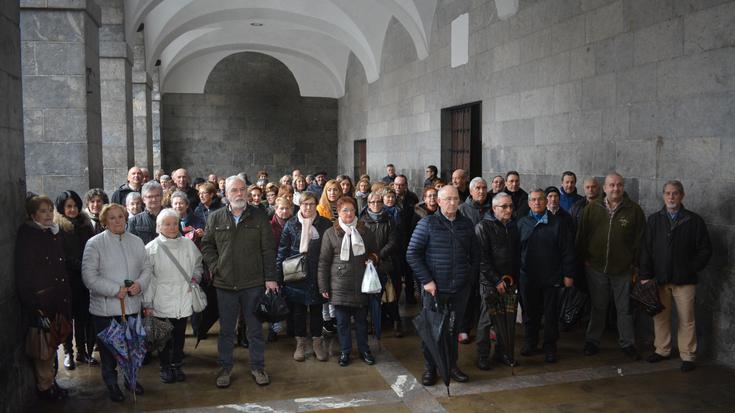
(116, 89)
(18, 386)
(156, 121)
(142, 86)
(61, 95)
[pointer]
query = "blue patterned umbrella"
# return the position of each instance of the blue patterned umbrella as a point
(126, 342)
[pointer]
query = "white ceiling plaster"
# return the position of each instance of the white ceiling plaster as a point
(313, 38)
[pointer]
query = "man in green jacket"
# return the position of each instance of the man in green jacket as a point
(239, 249)
(608, 242)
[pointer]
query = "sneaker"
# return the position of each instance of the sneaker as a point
(223, 378)
(590, 349)
(632, 353)
(687, 366)
(655, 358)
(261, 377)
(69, 363)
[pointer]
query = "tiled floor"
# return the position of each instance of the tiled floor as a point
(608, 381)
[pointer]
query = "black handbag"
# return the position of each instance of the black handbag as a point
(294, 268)
(271, 307)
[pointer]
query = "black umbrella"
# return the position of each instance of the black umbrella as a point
(434, 326)
(503, 309)
(573, 302)
(646, 295)
(202, 322)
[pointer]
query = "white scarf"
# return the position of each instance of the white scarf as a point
(352, 236)
(53, 227)
(308, 232)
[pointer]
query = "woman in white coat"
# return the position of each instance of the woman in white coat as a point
(169, 294)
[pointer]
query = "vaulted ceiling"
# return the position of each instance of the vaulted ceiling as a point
(313, 38)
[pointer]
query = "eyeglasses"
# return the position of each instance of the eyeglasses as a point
(505, 206)
(347, 210)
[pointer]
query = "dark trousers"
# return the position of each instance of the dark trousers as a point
(231, 304)
(343, 314)
(173, 353)
(107, 360)
(472, 310)
(538, 302)
(300, 318)
(83, 328)
(457, 303)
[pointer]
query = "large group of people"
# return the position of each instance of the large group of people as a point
(87, 262)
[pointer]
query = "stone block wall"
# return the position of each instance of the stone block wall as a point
(16, 376)
(61, 95)
(644, 87)
(250, 117)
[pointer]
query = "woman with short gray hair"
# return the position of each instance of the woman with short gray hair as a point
(169, 294)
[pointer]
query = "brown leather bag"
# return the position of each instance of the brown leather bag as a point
(38, 344)
(60, 329)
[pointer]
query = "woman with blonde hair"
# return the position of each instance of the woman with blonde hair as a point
(328, 202)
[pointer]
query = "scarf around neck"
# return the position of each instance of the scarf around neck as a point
(308, 232)
(53, 227)
(352, 237)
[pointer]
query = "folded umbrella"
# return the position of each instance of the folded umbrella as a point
(573, 302)
(434, 326)
(503, 309)
(126, 342)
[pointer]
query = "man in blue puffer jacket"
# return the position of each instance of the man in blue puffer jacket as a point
(444, 257)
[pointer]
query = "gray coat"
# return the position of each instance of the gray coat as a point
(109, 260)
(343, 279)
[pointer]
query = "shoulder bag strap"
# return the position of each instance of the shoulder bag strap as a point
(175, 261)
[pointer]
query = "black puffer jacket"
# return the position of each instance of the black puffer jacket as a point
(386, 239)
(445, 252)
(500, 250)
(305, 291)
(674, 252)
(343, 279)
(143, 225)
(547, 251)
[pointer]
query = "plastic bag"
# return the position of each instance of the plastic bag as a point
(370, 281)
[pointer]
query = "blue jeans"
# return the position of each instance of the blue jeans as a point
(343, 314)
(230, 304)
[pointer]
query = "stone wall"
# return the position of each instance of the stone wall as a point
(646, 87)
(16, 376)
(61, 95)
(250, 117)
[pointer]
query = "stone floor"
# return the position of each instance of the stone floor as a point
(608, 381)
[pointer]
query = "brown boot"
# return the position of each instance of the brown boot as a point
(298, 354)
(321, 353)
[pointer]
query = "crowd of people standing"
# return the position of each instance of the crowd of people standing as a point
(94, 260)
